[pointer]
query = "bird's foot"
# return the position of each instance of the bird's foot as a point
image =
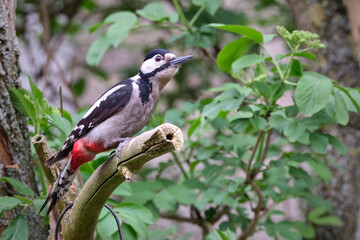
(122, 143)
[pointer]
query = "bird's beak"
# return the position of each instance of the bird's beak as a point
(180, 60)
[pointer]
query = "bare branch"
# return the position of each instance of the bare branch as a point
(43, 153)
(81, 221)
(257, 211)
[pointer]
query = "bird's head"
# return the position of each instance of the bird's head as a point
(161, 65)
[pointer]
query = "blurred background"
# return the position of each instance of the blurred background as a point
(55, 37)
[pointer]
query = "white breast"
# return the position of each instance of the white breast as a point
(129, 121)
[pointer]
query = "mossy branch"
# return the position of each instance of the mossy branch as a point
(80, 222)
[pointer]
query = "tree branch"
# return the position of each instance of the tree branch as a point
(248, 168)
(81, 221)
(257, 211)
(43, 153)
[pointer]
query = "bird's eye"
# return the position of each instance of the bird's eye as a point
(157, 58)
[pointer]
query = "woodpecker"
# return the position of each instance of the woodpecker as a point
(118, 114)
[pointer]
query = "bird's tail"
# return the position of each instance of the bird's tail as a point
(60, 187)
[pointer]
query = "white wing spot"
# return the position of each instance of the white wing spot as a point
(103, 98)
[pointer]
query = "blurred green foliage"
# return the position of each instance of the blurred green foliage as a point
(244, 154)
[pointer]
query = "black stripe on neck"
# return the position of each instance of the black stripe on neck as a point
(145, 88)
(153, 73)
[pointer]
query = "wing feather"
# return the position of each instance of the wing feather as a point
(111, 102)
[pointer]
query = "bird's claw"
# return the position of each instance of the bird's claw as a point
(121, 145)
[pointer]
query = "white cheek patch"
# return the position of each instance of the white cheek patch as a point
(150, 65)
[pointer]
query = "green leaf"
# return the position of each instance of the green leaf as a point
(307, 55)
(317, 120)
(300, 173)
(24, 199)
(128, 231)
(193, 126)
(143, 191)
(278, 120)
(306, 230)
(97, 50)
(35, 91)
(319, 142)
(268, 37)
(133, 209)
(193, 165)
(174, 17)
(137, 216)
(165, 201)
(8, 203)
(96, 27)
(246, 61)
(258, 122)
(117, 33)
(161, 233)
(123, 190)
(312, 92)
(155, 11)
(21, 100)
(294, 130)
(239, 125)
(351, 97)
(233, 51)
(78, 87)
(174, 116)
(19, 186)
(217, 235)
(321, 170)
(61, 123)
(182, 194)
(18, 229)
(316, 201)
(317, 216)
(338, 145)
(106, 226)
(341, 112)
(296, 68)
(126, 18)
(263, 88)
(211, 110)
(37, 204)
(244, 30)
(211, 6)
(245, 91)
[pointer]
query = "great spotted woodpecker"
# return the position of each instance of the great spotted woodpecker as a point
(119, 113)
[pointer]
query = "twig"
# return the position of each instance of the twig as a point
(258, 208)
(221, 213)
(248, 168)
(266, 149)
(180, 219)
(177, 160)
(61, 101)
(267, 145)
(182, 15)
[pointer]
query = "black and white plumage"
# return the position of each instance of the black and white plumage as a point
(119, 113)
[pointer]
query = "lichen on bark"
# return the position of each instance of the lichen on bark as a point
(14, 136)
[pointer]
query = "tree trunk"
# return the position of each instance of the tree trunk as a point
(328, 18)
(15, 154)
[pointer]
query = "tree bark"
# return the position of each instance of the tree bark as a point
(15, 154)
(338, 60)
